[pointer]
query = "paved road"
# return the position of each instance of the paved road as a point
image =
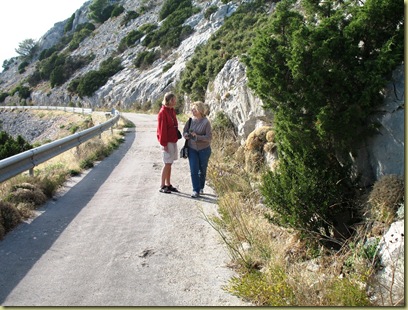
(111, 239)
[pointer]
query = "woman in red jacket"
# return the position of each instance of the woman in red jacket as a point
(167, 126)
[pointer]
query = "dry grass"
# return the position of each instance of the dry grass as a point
(276, 266)
(387, 194)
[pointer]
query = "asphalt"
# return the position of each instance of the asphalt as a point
(110, 238)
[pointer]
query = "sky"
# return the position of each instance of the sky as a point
(30, 19)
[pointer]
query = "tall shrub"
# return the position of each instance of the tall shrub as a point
(321, 70)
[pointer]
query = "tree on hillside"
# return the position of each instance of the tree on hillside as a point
(27, 48)
(321, 70)
(100, 10)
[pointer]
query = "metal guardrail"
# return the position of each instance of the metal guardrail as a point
(37, 107)
(14, 165)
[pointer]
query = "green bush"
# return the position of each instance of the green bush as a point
(10, 146)
(78, 38)
(323, 79)
(145, 59)
(171, 6)
(69, 24)
(129, 16)
(117, 10)
(8, 63)
(24, 92)
(3, 96)
(221, 122)
(58, 68)
(100, 10)
(165, 69)
(212, 9)
(172, 31)
(147, 28)
(22, 66)
(131, 38)
(93, 80)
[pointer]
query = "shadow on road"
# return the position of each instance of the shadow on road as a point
(24, 246)
(204, 197)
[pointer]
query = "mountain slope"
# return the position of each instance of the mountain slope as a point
(131, 85)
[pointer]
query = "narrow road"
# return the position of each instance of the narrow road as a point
(112, 239)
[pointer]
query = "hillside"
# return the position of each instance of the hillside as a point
(39, 127)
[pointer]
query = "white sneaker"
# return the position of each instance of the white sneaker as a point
(201, 192)
(195, 195)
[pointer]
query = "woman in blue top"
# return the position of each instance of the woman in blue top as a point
(199, 137)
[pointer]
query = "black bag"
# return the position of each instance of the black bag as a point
(184, 152)
(184, 149)
(179, 136)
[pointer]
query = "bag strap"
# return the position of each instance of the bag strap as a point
(188, 128)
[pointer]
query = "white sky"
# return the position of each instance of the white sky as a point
(30, 19)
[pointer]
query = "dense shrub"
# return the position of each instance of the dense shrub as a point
(117, 10)
(8, 63)
(145, 59)
(58, 68)
(69, 24)
(131, 38)
(48, 52)
(93, 80)
(129, 16)
(10, 146)
(172, 31)
(3, 96)
(171, 6)
(148, 28)
(321, 70)
(24, 92)
(212, 9)
(79, 36)
(22, 66)
(100, 10)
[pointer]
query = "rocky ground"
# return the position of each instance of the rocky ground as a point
(41, 126)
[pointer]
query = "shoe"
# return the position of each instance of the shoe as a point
(201, 192)
(164, 189)
(172, 188)
(195, 195)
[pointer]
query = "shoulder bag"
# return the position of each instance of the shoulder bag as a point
(184, 149)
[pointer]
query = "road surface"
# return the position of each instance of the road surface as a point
(112, 239)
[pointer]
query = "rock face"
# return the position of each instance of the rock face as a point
(390, 279)
(230, 94)
(383, 153)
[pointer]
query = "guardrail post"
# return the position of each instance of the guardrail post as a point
(31, 172)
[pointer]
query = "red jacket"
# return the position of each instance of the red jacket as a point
(167, 126)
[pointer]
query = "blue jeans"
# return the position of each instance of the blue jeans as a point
(198, 167)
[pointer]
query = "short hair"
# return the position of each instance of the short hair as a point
(167, 98)
(201, 107)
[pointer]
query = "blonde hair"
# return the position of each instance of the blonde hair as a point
(167, 98)
(201, 107)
